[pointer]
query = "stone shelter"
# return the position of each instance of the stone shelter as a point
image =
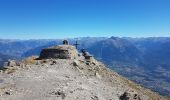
(59, 52)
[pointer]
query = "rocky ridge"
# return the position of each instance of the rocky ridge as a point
(68, 79)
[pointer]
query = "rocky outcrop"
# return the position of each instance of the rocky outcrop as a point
(11, 63)
(130, 95)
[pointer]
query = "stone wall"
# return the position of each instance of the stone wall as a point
(59, 52)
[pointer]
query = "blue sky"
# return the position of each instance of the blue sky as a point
(34, 19)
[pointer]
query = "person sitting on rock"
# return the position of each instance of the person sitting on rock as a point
(65, 42)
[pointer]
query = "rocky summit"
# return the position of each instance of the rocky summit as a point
(61, 73)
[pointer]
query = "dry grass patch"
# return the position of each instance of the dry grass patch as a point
(30, 60)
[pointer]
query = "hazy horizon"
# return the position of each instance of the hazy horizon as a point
(79, 38)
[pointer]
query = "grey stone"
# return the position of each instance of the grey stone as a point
(10, 63)
(130, 95)
(75, 63)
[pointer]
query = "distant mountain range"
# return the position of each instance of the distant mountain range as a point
(143, 60)
(115, 50)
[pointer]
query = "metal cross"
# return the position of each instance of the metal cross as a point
(76, 44)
